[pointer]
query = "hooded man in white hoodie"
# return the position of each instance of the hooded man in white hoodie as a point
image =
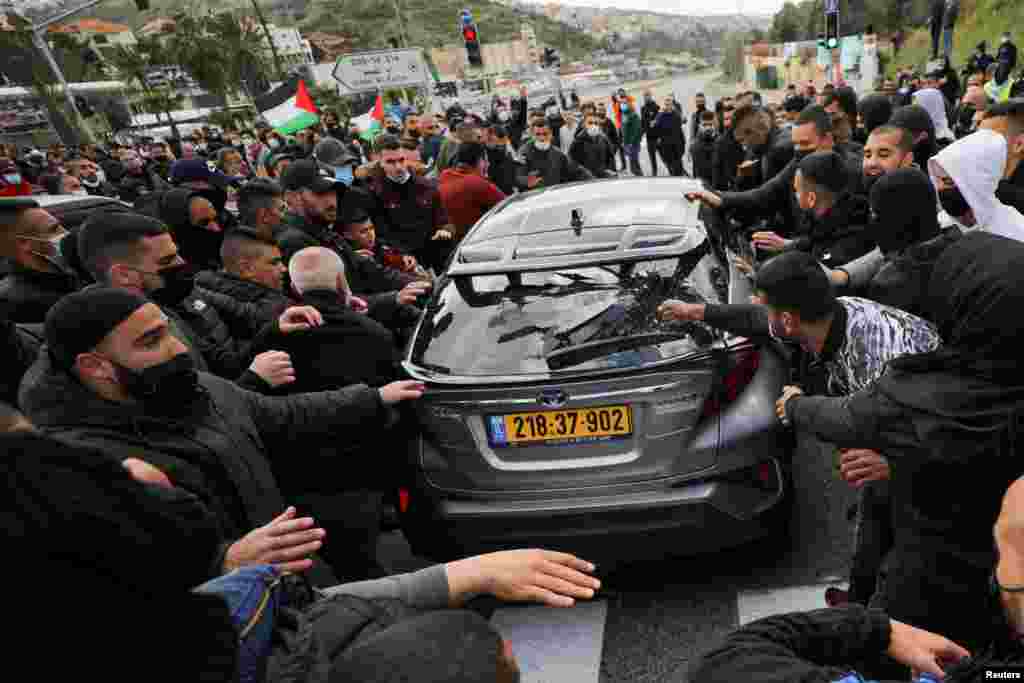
(966, 175)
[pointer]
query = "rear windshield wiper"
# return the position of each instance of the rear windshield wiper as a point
(581, 353)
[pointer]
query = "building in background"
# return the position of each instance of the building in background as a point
(98, 34)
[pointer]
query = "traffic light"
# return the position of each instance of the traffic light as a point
(832, 30)
(550, 58)
(472, 38)
(142, 5)
(821, 40)
(83, 107)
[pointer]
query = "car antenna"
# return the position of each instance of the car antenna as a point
(577, 222)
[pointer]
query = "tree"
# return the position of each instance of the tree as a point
(34, 72)
(134, 64)
(787, 24)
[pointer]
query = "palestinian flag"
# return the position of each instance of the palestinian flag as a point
(288, 108)
(370, 123)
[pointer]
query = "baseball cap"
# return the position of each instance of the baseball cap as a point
(332, 152)
(308, 174)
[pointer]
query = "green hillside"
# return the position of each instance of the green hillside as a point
(372, 23)
(979, 20)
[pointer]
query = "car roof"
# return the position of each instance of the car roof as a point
(618, 220)
(72, 209)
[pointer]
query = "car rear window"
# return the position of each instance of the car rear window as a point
(535, 323)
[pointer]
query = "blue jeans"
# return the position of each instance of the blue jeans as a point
(947, 42)
(633, 154)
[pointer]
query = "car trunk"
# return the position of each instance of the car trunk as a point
(659, 416)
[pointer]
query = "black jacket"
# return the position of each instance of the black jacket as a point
(503, 169)
(668, 129)
(611, 132)
(840, 235)
(703, 159)
(596, 154)
(19, 347)
(1007, 54)
(224, 452)
(776, 153)
(26, 295)
(1011, 190)
(349, 348)
(946, 486)
(648, 113)
(823, 646)
(246, 307)
(207, 335)
(553, 165)
(119, 557)
(902, 281)
(728, 155)
(365, 276)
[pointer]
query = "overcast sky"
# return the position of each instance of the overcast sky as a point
(692, 7)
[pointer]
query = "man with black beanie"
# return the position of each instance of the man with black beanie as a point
(117, 378)
(137, 253)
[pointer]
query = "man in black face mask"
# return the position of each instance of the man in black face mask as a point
(118, 378)
(137, 253)
(30, 238)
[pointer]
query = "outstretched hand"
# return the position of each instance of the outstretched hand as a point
(923, 651)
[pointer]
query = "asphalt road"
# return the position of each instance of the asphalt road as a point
(657, 616)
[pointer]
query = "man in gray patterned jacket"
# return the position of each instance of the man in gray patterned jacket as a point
(854, 339)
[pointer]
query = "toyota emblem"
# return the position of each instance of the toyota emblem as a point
(553, 398)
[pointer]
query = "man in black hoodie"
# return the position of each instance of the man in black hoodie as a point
(770, 147)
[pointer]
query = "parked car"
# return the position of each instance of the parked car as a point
(561, 412)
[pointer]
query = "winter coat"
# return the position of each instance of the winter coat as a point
(976, 164)
(502, 169)
(245, 307)
(19, 347)
(198, 324)
(553, 165)
(822, 645)
(703, 159)
(349, 348)
(840, 235)
(408, 215)
(120, 557)
(596, 154)
(902, 279)
(225, 451)
(648, 113)
(728, 155)
(632, 129)
(466, 197)
(668, 127)
(776, 153)
(26, 295)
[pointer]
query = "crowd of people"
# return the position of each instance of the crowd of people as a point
(882, 235)
(183, 362)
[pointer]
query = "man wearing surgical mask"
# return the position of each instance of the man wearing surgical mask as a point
(407, 208)
(30, 239)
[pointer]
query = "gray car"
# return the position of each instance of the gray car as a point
(560, 411)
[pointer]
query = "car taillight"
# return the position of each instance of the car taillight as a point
(403, 500)
(744, 366)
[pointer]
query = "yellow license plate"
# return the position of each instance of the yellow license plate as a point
(561, 426)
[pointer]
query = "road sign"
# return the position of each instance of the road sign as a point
(380, 69)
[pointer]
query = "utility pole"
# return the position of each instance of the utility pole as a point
(270, 39)
(401, 25)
